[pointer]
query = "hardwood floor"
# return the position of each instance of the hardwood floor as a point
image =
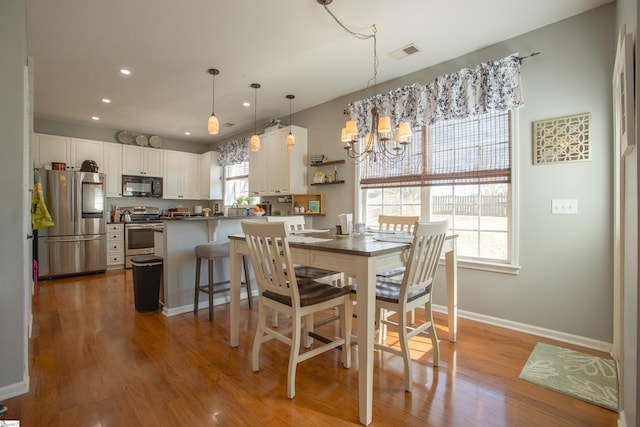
(95, 361)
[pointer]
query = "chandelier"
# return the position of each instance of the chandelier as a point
(382, 142)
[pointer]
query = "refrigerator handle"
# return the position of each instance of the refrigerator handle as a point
(76, 198)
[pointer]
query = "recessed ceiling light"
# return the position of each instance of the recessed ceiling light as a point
(106, 100)
(95, 118)
(187, 133)
(246, 104)
(125, 72)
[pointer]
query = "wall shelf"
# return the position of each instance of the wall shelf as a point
(327, 183)
(333, 162)
(303, 201)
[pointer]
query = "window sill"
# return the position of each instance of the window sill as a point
(487, 266)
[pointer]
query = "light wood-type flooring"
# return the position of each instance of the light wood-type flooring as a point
(95, 361)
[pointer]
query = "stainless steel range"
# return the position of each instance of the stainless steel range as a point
(139, 233)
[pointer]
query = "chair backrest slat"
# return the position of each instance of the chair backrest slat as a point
(271, 257)
(424, 255)
(397, 223)
(292, 222)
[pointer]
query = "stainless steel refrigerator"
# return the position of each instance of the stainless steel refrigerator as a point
(77, 241)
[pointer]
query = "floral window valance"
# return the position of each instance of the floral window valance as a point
(234, 152)
(490, 86)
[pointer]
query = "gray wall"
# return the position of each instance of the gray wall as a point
(13, 304)
(565, 283)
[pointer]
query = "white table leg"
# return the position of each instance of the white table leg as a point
(235, 266)
(366, 297)
(451, 264)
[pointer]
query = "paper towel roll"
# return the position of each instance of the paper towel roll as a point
(346, 222)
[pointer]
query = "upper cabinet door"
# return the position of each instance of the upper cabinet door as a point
(113, 168)
(276, 170)
(50, 149)
(138, 160)
(85, 149)
(210, 185)
(154, 161)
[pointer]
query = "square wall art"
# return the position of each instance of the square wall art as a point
(563, 139)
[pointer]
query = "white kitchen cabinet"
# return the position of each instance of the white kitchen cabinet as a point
(275, 170)
(210, 186)
(138, 160)
(113, 168)
(115, 246)
(181, 175)
(51, 148)
(86, 149)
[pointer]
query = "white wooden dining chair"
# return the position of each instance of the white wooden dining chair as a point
(295, 223)
(299, 298)
(397, 223)
(414, 290)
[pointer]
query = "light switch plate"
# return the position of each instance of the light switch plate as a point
(564, 207)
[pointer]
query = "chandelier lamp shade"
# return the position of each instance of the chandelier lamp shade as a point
(382, 142)
(213, 125)
(254, 144)
(290, 142)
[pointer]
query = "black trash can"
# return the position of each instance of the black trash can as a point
(147, 275)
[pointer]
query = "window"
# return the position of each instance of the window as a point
(458, 170)
(236, 182)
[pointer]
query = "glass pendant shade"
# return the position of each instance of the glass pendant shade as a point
(254, 144)
(213, 125)
(290, 142)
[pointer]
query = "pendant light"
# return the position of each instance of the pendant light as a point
(254, 145)
(291, 140)
(213, 125)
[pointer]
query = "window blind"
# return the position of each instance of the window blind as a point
(237, 171)
(475, 150)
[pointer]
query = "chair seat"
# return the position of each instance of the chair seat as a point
(212, 251)
(312, 273)
(310, 293)
(389, 290)
(391, 273)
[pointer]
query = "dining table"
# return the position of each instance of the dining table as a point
(360, 257)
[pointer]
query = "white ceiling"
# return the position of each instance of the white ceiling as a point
(288, 46)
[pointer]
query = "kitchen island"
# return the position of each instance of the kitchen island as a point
(181, 235)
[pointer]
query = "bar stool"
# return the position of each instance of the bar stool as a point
(210, 253)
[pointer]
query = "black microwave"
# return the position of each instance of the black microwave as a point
(141, 186)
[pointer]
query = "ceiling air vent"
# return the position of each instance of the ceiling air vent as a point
(228, 125)
(403, 52)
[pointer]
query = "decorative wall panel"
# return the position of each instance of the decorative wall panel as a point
(563, 139)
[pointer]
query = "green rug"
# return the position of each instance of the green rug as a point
(579, 375)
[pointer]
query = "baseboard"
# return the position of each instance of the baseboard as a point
(204, 303)
(14, 390)
(533, 330)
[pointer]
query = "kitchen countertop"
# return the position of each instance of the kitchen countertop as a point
(204, 218)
